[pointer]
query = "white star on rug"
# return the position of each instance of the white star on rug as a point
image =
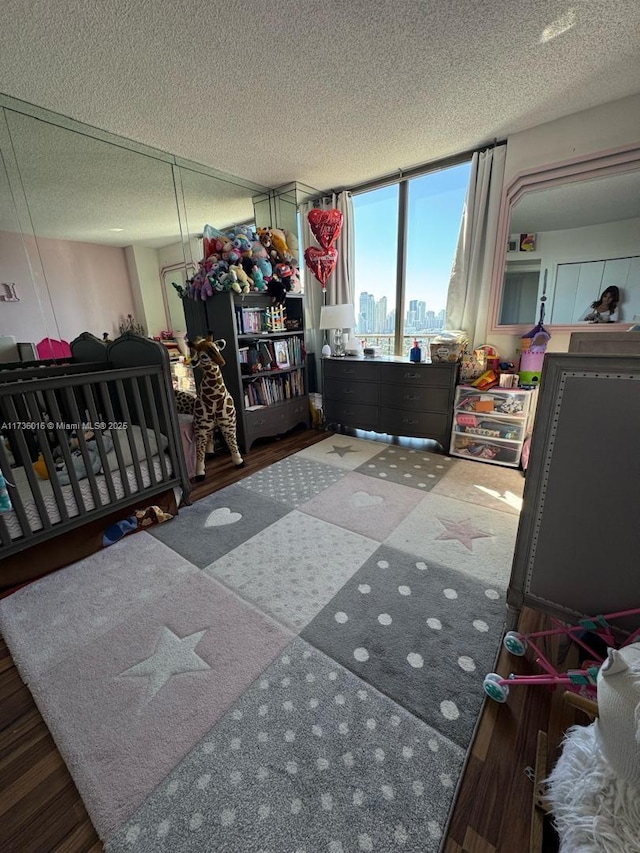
(463, 531)
(341, 450)
(172, 655)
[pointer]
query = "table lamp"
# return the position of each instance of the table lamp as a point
(340, 318)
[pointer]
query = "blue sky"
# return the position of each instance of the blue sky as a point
(436, 201)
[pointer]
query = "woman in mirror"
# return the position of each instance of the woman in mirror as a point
(604, 309)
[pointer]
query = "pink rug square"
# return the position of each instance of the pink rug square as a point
(367, 506)
(130, 705)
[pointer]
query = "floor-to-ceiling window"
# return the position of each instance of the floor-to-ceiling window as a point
(405, 240)
(375, 217)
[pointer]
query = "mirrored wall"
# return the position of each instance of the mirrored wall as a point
(94, 228)
(572, 235)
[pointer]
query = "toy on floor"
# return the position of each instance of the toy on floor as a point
(214, 405)
(140, 519)
(605, 636)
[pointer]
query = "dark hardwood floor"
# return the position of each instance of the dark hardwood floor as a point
(41, 811)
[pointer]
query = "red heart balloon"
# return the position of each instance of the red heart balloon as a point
(321, 262)
(325, 225)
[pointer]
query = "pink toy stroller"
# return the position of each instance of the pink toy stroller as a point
(582, 681)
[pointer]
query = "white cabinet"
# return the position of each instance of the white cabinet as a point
(491, 426)
(578, 285)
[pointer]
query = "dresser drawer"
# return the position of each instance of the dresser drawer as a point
(428, 375)
(350, 391)
(362, 371)
(416, 399)
(355, 415)
(425, 425)
(276, 419)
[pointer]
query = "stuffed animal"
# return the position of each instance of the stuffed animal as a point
(214, 405)
(292, 242)
(266, 239)
(259, 283)
(5, 500)
(228, 280)
(618, 725)
(277, 290)
(279, 242)
(284, 272)
(242, 277)
(242, 244)
(77, 459)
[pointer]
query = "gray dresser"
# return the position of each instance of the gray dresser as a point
(390, 395)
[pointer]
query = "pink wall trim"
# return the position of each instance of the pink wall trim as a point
(610, 162)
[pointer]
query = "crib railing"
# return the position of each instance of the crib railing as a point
(38, 416)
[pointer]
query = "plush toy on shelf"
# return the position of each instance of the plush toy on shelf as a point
(244, 259)
(242, 277)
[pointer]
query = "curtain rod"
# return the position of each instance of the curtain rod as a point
(414, 172)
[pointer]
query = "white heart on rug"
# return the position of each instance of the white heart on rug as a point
(221, 516)
(362, 500)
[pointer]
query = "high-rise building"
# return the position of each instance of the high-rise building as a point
(366, 314)
(381, 315)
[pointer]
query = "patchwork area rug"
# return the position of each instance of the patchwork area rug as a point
(293, 665)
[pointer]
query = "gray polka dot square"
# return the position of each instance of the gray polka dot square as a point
(310, 759)
(421, 633)
(293, 480)
(217, 524)
(417, 469)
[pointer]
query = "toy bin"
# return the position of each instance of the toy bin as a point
(448, 346)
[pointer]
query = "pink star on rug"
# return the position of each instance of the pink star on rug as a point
(463, 531)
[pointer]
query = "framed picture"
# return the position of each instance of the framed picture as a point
(282, 353)
(527, 242)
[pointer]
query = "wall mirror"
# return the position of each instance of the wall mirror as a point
(567, 233)
(90, 222)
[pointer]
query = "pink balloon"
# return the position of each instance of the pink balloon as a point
(325, 225)
(321, 262)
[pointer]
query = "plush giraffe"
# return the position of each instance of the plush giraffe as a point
(214, 405)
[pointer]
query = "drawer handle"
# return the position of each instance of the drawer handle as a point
(411, 397)
(347, 390)
(408, 421)
(259, 423)
(347, 412)
(412, 376)
(347, 371)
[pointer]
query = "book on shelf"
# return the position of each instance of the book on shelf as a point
(267, 355)
(251, 320)
(266, 390)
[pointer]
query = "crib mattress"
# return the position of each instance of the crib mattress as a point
(19, 478)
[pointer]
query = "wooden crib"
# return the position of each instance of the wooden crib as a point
(123, 393)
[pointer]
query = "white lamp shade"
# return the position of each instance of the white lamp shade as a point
(337, 317)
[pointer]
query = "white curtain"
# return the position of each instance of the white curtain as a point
(470, 283)
(340, 284)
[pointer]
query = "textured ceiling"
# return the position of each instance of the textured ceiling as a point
(324, 92)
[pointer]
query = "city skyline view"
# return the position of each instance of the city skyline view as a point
(372, 316)
(434, 212)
